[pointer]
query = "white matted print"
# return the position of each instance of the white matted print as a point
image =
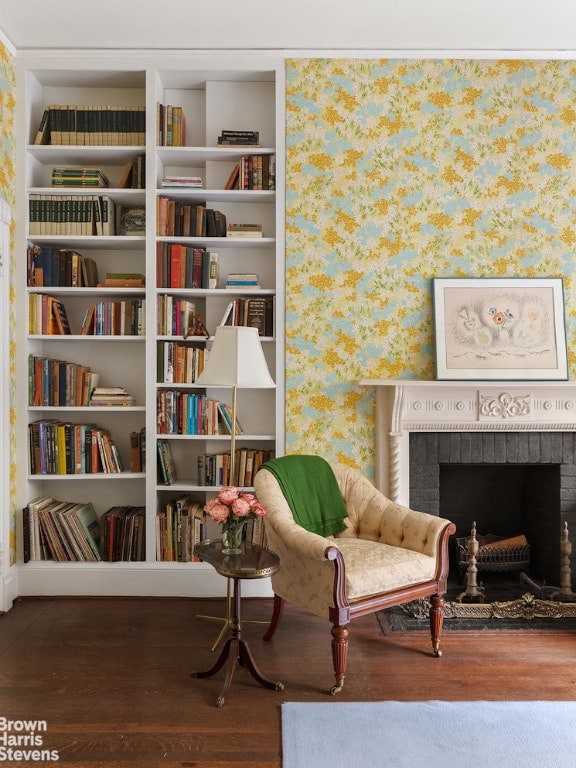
(500, 328)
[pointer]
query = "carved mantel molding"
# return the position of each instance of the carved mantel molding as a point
(405, 406)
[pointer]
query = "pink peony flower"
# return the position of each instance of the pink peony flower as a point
(258, 509)
(241, 507)
(217, 511)
(227, 495)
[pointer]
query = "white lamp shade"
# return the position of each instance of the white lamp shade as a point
(236, 359)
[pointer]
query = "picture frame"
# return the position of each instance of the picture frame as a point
(508, 329)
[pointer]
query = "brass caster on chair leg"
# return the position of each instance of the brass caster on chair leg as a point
(337, 688)
(437, 652)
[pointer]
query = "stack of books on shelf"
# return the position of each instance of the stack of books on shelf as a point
(239, 138)
(170, 125)
(60, 530)
(244, 230)
(182, 182)
(93, 125)
(49, 266)
(138, 450)
(184, 413)
(115, 318)
(71, 215)
(255, 312)
(177, 219)
(63, 448)
(123, 280)
(214, 468)
(111, 397)
(47, 316)
(59, 383)
(179, 363)
(186, 266)
(179, 526)
(79, 177)
(174, 317)
(242, 281)
(124, 534)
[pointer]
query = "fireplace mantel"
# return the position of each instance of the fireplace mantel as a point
(405, 406)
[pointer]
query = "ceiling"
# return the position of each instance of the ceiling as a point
(297, 24)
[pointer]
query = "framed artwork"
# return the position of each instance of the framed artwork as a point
(500, 329)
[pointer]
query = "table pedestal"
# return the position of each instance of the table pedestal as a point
(236, 651)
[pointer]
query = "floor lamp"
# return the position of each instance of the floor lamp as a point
(235, 360)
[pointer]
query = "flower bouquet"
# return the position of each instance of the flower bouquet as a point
(232, 509)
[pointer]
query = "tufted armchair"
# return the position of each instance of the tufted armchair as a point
(386, 555)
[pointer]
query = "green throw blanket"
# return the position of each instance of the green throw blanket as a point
(311, 490)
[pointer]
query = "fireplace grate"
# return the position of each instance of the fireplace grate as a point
(495, 553)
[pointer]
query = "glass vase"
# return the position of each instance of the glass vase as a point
(232, 537)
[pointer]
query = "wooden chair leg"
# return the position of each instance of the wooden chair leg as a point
(276, 616)
(436, 621)
(339, 655)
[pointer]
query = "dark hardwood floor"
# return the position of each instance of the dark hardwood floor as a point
(111, 677)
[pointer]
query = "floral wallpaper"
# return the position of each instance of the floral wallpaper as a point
(7, 179)
(399, 171)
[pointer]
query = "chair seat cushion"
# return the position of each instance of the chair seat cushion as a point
(373, 568)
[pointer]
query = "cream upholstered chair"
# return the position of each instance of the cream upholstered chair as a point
(386, 555)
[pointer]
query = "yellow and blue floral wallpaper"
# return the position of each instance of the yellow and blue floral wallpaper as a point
(399, 171)
(7, 179)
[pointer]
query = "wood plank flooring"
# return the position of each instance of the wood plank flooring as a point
(111, 677)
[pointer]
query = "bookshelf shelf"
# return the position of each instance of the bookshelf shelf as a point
(214, 96)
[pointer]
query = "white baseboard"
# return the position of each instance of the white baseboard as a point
(48, 579)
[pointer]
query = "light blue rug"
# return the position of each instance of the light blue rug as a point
(429, 734)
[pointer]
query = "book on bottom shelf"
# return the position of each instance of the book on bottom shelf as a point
(61, 531)
(124, 534)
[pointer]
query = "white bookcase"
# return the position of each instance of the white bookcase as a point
(216, 93)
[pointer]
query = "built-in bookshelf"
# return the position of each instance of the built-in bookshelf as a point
(128, 265)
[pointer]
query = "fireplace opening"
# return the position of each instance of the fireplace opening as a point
(510, 483)
(506, 501)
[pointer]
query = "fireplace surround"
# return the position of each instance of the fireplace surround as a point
(501, 451)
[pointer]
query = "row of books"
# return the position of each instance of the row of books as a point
(79, 177)
(179, 526)
(214, 468)
(175, 218)
(123, 532)
(93, 125)
(71, 215)
(170, 125)
(134, 174)
(178, 363)
(49, 266)
(252, 311)
(60, 530)
(63, 448)
(60, 383)
(182, 266)
(253, 172)
(138, 450)
(47, 315)
(187, 413)
(126, 317)
(174, 316)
